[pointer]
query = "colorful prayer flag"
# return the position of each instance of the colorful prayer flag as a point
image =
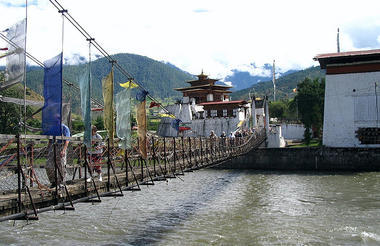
(96, 109)
(141, 95)
(129, 84)
(175, 124)
(85, 97)
(166, 115)
(15, 61)
(107, 84)
(154, 104)
(141, 131)
(184, 128)
(52, 110)
(123, 122)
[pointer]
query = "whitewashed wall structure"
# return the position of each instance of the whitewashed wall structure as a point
(352, 97)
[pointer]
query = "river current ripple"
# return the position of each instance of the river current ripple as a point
(220, 207)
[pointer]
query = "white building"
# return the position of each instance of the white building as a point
(352, 102)
(206, 107)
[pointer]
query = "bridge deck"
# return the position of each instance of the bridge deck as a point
(168, 158)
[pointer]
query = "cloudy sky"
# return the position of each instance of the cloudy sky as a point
(214, 35)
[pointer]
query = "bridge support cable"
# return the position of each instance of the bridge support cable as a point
(91, 194)
(109, 57)
(128, 165)
(39, 63)
(87, 168)
(109, 167)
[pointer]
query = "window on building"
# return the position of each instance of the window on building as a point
(365, 109)
(224, 112)
(234, 112)
(368, 135)
(210, 97)
(205, 113)
(214, 113)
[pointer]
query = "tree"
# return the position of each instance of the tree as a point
(310, 100)
(12, 114)
(77, 126)
(284, 109)
(277, 109)
(99, 123)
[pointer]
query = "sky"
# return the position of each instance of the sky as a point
(216, 36)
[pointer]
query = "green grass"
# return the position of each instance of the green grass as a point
(313, 143)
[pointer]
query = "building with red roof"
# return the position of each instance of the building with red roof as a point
(206, 106)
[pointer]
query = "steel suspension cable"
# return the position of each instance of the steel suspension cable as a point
(71, 19)
(39, 63)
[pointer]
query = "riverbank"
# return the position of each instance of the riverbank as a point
(307, 159)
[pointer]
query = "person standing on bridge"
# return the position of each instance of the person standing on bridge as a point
(212, 141)
(95, 153)
(223, 140)
(60, 160)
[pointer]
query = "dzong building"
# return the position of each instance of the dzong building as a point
(206, 106)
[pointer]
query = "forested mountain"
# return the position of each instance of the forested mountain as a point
(157, 77)
(242, 79)
(284, 85)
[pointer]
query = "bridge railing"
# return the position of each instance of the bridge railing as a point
(24, 164)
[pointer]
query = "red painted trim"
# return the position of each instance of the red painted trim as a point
(358, 68)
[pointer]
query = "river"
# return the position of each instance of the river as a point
(220, 207)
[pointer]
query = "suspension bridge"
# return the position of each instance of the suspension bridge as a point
(26, 185)
(25, 190)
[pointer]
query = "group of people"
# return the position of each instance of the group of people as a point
(94, 155)
(236, 134)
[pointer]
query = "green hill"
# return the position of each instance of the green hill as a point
(157, 77)
(284, 85)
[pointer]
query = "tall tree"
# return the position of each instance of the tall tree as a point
(278, 109)
(310, 100)
(12, 114)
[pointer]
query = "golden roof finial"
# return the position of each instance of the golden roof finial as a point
(202, 76)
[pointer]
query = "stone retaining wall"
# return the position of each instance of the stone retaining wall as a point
(306, 159)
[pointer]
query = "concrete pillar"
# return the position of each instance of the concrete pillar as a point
(266, 108)
(253, 113)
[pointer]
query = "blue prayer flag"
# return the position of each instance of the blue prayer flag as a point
(175, 124)
(52, 110)
(141, 95)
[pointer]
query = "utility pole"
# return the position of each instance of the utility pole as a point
(274, 81)
(377, 106)
(253, 111)
(337, 41)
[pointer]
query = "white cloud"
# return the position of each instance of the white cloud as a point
(229, 83)
(214, 35)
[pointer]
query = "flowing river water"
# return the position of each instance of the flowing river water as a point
(220, 207)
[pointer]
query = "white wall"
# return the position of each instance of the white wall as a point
(275, 138)
(292, 131)
(343, 100)
(200, 127)
(260, 113)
